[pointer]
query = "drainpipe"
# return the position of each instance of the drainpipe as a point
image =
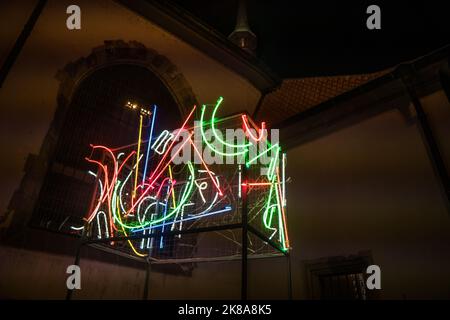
(407, 73)
(20, 42)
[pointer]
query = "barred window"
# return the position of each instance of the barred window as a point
(96, 115)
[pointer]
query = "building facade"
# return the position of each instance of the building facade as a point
(368, 156)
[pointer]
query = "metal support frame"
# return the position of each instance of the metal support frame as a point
(6, 67)
(244, 256)
(244, 219)
(246, 228)
(166, 233)
(20, 42)
(147, 280)
(289, 277)
(429, 140)
(78, 253)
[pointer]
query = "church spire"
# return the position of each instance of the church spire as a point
(242, 35)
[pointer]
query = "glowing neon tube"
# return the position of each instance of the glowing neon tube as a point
(138, 155)
(129, 242)
(226, 209)
(161, 240)
(286, 245)
(213, 117)
(184, 197)
(162, 170)
(173, 183)
(150, 186)
(249, 162)
(240, 182)
(206, 167)
(283, 178)
(149, 143)
(173, 142)
(257, 184)
(202, 131)
(247, 129)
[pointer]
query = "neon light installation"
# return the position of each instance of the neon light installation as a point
(141, 191)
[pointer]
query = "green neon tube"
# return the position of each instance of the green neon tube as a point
(210, 146)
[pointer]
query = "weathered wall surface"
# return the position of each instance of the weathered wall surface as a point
(28, 95)
(17, 14)
(40, 275)
(372, 187)
(367, 187)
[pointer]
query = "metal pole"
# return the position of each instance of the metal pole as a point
(289, 276)
(167, 233)
(20, 42)
(147, 279)
(78, 254)
(244, 270)
(84, 234)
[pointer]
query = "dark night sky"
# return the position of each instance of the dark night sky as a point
(309, 38)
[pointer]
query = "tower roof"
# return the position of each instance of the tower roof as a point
(242, 35)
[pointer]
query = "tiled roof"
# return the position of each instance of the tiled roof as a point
(297, 95)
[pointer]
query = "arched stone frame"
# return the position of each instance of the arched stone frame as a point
(113, 52)
(120, 52)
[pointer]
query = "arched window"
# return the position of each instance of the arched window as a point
(96, 115)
